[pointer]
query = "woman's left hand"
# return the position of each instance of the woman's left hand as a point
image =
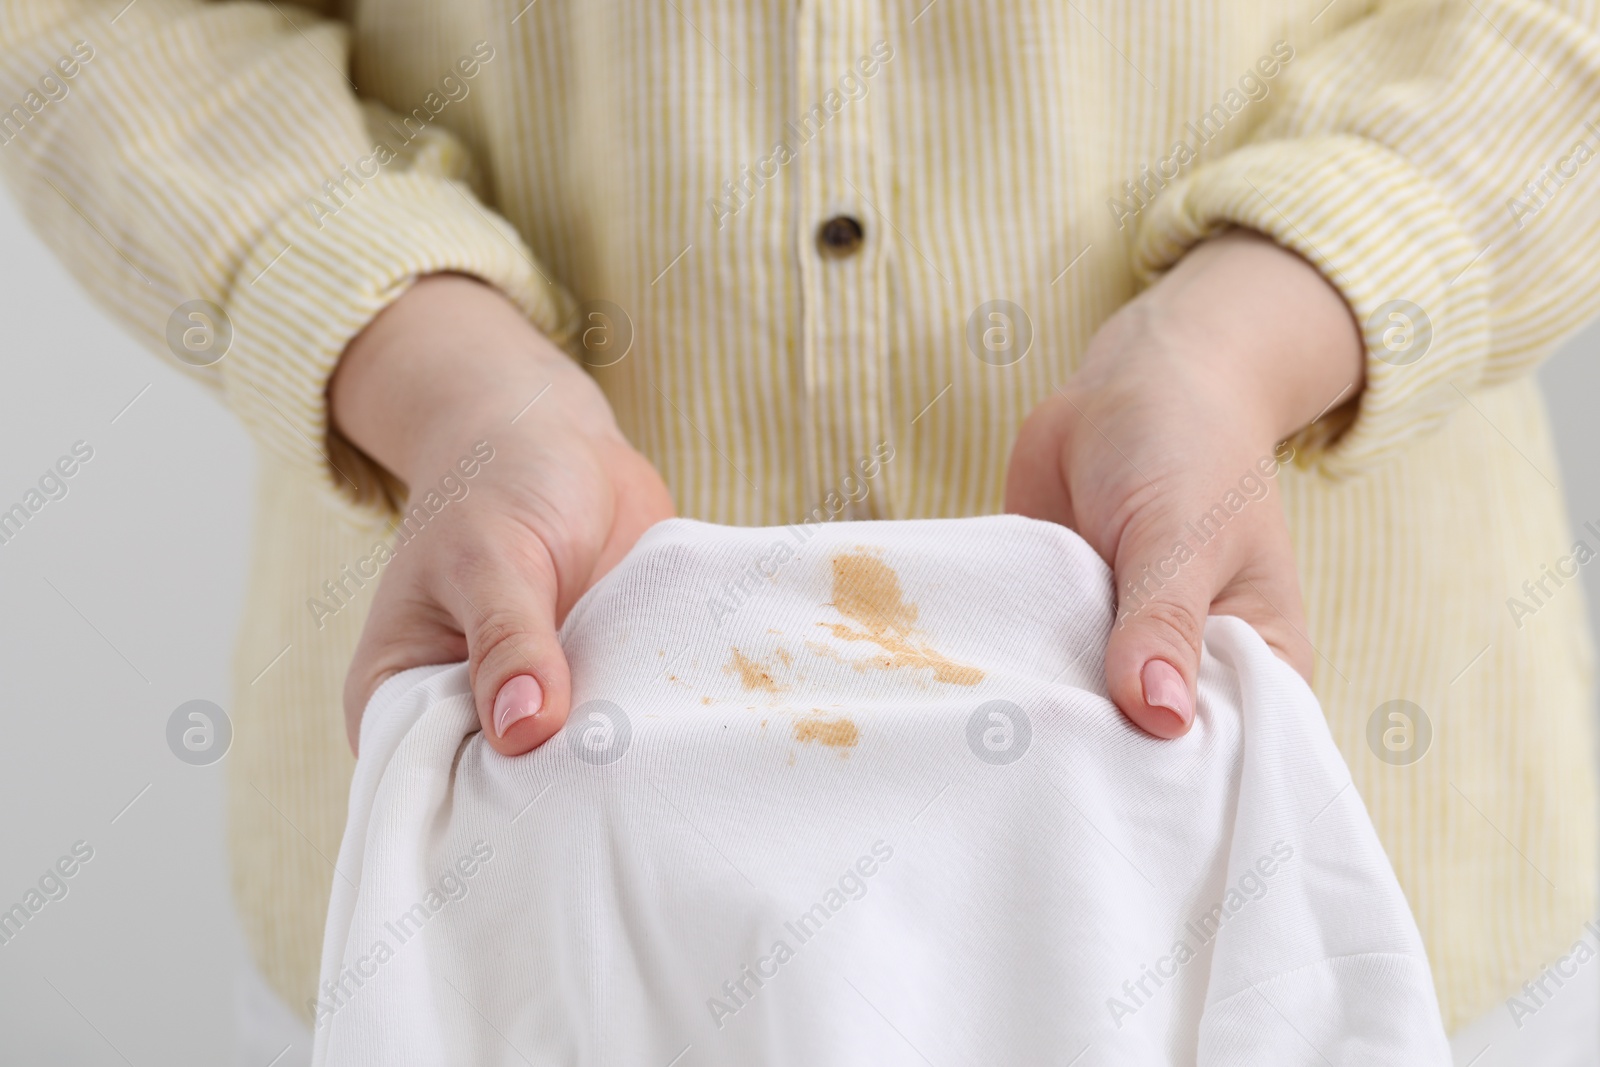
(1162, 453)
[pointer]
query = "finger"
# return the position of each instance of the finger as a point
(642, 501)
(404, 629)
(1153, 657)
(1266, 594)
(507, 608)
(1034, 483)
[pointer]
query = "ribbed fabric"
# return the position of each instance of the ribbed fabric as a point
(1025, 152)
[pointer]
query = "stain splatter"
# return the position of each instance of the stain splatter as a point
(751, 674)
(834, 733)
(705, 700)
(866, 590)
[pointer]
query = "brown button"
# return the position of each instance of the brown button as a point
(840, 236)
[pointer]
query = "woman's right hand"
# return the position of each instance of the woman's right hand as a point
(445, 370)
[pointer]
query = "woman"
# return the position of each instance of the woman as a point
(754, 247)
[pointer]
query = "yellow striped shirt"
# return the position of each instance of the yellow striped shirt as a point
(659, 178)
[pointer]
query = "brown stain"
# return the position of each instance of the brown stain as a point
(752, 675)
(866, 590)
(834, 733)
(705, 700)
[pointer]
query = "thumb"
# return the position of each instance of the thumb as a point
(1164, 592)
(520, 681)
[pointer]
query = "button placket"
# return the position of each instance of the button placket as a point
(840, 244)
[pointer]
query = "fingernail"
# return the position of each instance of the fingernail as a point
(519, 699)
(1164, 688)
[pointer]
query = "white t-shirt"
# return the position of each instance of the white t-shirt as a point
(854, 794)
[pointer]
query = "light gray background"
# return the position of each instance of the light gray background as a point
(121, 602)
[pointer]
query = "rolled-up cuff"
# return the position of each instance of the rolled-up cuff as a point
(321, 275)
(1380, 232)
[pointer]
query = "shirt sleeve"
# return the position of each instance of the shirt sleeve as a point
(1436, 161)
(210, 176)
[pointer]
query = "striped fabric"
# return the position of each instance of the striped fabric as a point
(666, 166)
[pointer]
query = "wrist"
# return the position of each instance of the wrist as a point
(448, 359)
(1250, 319)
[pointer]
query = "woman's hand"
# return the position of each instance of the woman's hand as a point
(1161, 452)
(450, 364)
